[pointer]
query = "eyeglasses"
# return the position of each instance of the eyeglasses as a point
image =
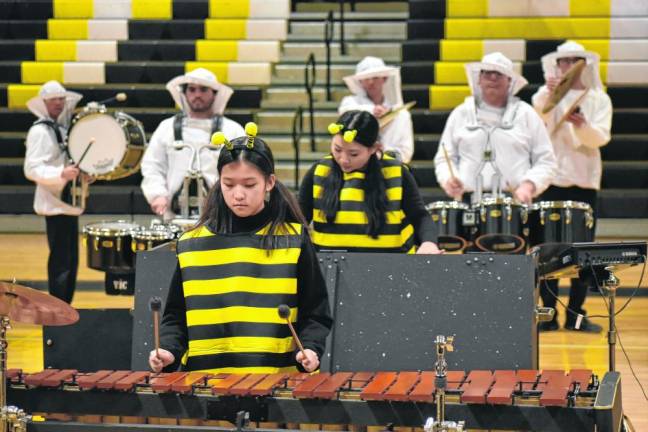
(569, 60)
(491, 74)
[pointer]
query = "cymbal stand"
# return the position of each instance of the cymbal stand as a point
(12, 419)
(443, 344)
(608, 283)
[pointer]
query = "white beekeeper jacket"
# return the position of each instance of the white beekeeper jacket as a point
(398, 135)
(44, 158)
(163, 167)
(518, 139)
(577, 148)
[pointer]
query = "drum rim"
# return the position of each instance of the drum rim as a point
(93, 229)
(543, 205)
(505, 200)
(452, 205)
(143, 233)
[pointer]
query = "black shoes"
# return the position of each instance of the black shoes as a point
(586, 326)
(548, 326)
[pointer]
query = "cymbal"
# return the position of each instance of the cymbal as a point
(391, 115)
(564, 85)
(30, 306)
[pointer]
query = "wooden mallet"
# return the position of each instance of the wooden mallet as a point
(155, 304)
(284, 312)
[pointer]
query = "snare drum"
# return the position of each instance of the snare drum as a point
(148, 238)
(108, 245)
(118, 147)
(448, 217)
(502, 225)
(560, 222)
(183, 225)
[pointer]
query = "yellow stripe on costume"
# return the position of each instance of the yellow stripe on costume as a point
(55, 50)
(211, 50)
(321, 170)
(240, 284)
(357, 217)
(228, 29)
(246, 370)
(241, 344)
(19, 94)
(392, 172)
(362, 240)
(73, 9)
(237, 314)
(355, 194)
(466, 8)
(527, 28)
(69, 29)
(447, 96)
(152, 9)
(589, 8)
(229, 8)
(236, 255)
(459, 50)
(218, 69)
(38, 73)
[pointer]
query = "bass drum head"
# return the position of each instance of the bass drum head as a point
(109, 147)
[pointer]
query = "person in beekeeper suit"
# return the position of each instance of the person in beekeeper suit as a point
(202, 100)
(494, 122)
(48, 164)
(587, 113)
(376, 88)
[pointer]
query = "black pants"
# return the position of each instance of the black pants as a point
(63, 261)
(579, 288)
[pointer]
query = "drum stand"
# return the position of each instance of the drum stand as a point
(443, 344)
(12, 419)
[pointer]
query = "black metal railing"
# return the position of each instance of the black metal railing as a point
(342, 42)
(297, 131)
(310, 75)
(328, 38)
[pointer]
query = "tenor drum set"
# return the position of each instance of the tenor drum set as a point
(503, 225)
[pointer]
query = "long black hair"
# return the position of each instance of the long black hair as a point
(282, 205)
(375, 195)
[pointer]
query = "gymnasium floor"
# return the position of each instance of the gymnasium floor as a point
(24, 255)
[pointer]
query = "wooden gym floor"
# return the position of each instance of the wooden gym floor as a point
(24, 257)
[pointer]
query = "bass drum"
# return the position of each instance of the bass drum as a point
(560, 222)
(108, 245)
(119, 143)
(448, 217)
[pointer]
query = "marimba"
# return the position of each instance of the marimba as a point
(548, 400)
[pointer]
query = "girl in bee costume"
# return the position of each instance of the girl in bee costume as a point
(361, 202)
(246, 256)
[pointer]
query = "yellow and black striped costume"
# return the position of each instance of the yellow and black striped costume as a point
(349, 229)
(232, 287)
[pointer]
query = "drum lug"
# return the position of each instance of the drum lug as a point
(95, 243)
(524, 214)
(542, 216)
(444, 216)
(509, 213)
(589, 220)
(119, 244)
(482, 214)
(568, 216)
(134, 246)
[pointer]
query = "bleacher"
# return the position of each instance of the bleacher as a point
(259, 47)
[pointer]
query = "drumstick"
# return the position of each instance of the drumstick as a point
(85, 152)
(155, 304)
(284, 312)
(448, 161)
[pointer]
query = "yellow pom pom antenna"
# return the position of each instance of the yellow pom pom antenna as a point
(219, 139)
(335, 128)
(350, 135)
(251, 130)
